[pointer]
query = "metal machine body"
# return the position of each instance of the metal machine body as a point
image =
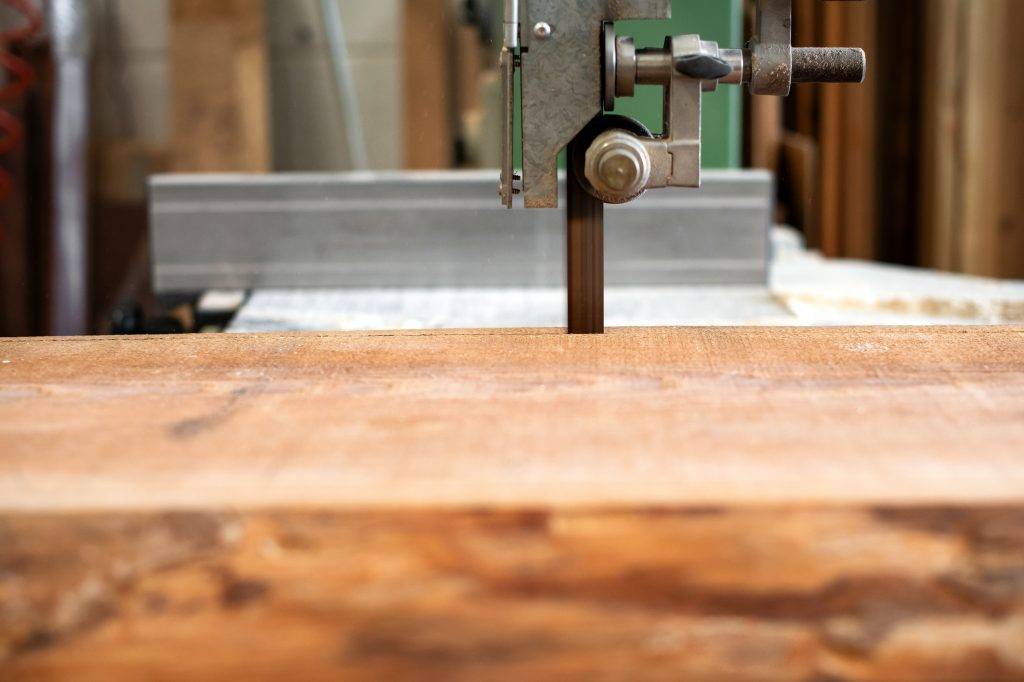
(573, 66)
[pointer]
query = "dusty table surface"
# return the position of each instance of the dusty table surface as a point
(699, 504)
(648, 417)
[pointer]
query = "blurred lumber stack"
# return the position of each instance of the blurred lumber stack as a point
(923, 164)
(823, 140)
(973, 138)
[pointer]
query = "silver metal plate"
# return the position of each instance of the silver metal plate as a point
(562, 81)
(439, 229)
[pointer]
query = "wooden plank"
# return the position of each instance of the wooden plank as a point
(993, 142)
(899, 54)
(941, 134)
(471, 62)
(800, 158)
(803, 99)
(689, 503)
(430, 107)
(859, 136)
(765, 132)
(973, 136)
(843, 119)
(691, 415)
(1011, 220)
(221, 106)
(706, 594)
(831, 139)
(983, 132)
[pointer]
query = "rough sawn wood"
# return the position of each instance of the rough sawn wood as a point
(740, 504)
(641, 417)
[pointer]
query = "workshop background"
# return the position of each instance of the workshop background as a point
(920, 166)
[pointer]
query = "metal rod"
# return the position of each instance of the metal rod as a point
(511, 26)
(69, 303)
(653, 66)
(330, 14)
(585, 251)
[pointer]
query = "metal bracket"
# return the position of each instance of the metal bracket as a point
(622, 165)
(683, 114)
(775, 64)
(572, 64)
(771, 51)
(560, 64)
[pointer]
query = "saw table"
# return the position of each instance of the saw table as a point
(688, 503)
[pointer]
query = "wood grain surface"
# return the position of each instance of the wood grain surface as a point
(657, 416)
(700, 594)
(699, 504)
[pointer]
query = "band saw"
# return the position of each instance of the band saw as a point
(572, 67)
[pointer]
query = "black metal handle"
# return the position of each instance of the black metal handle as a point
(703, 67)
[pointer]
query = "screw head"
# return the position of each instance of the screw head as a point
(542, 30)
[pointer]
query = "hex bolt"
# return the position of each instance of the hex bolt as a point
(618, 166)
